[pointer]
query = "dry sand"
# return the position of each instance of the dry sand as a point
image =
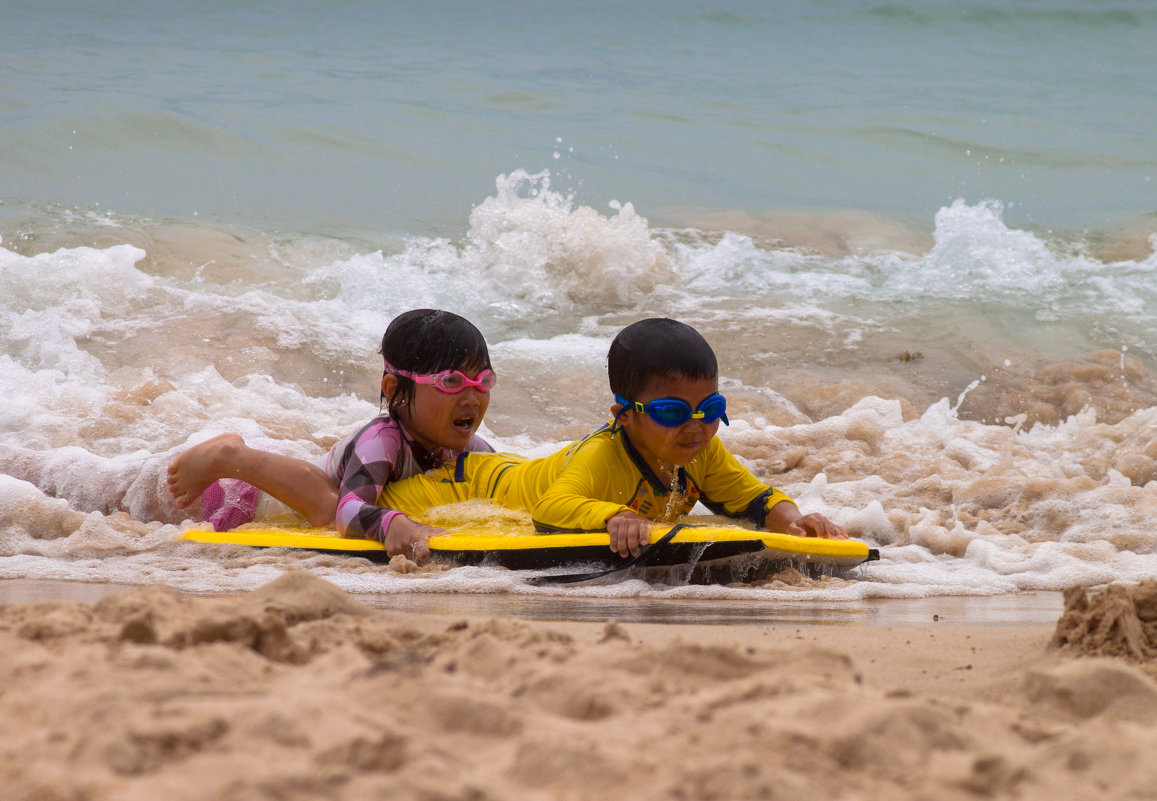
(299, 691)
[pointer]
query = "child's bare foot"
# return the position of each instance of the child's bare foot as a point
(201, 465)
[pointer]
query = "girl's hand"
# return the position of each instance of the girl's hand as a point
(629, 532)
(816, 525)
(408, 538)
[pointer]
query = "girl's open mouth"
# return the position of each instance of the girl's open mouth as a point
(464, 423)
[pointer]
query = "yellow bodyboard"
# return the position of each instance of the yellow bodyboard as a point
(521, 550)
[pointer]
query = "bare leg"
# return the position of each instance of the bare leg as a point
(302, 486)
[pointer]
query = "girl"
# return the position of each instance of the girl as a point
(436, 384)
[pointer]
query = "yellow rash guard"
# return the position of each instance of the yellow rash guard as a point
(587, 483)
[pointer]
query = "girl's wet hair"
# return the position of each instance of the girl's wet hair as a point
(657, 348)
(430, 341)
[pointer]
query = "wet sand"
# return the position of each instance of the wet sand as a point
(1018, 609)
(298, 690)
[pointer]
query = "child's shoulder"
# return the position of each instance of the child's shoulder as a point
(602, 434)
(479, 445)
(596, 444)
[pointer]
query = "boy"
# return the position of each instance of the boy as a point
(651, 463)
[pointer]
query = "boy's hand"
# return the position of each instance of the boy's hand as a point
(404, 536)
(816, 525)
(629, 532)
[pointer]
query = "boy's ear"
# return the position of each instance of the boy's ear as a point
(622, 416)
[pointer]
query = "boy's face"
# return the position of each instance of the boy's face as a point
(662, 446)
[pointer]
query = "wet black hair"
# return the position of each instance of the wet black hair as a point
(657, 348)
(430, 341)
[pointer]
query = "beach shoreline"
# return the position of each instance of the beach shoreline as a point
(1032, 609)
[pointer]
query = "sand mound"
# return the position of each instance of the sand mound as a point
(1117, 621)
(1089, 689)
(297, 691)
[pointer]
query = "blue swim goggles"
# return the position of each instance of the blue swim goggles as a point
(672, 412)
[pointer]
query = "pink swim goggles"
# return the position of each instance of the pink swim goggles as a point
(449, 381)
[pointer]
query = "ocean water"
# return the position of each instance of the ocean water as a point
(920, 237)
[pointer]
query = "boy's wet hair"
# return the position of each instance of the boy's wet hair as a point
(429, 341)
(657, 348)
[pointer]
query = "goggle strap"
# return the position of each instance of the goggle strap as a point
(615, 423)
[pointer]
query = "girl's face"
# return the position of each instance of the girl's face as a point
(438, 419)
(665, 447)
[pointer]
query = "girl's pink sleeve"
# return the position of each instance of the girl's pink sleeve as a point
(369, 463)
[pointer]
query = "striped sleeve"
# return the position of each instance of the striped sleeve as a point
(370, 460)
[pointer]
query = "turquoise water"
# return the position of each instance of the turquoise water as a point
(395, 117)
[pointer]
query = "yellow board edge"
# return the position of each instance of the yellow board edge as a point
(467, 539)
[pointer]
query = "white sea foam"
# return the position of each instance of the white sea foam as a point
(110, 362)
